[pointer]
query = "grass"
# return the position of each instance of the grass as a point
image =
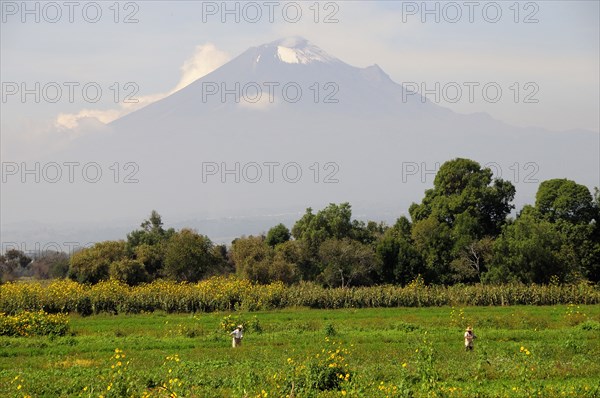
(391, 352)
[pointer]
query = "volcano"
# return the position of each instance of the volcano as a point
(285, 125)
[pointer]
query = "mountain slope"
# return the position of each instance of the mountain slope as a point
(236, 143)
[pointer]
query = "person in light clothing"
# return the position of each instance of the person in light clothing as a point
(238, 335)
(469, 337)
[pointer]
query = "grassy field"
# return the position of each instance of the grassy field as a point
(520, 351)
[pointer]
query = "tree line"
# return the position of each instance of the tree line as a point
(461, 232)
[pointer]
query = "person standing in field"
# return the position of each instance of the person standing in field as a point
(469, 337)
(238, 335)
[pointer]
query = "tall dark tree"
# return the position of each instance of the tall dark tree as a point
(562, 199)
(464, 207)
(573, 211)
(529, 251)
(462, 186)
(400, 260)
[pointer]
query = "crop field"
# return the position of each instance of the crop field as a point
(520, 351)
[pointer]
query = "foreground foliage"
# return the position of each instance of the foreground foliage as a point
(33, 324)
(521, 351)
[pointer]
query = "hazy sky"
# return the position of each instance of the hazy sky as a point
(546, 53)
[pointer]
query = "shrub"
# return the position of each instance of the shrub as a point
(38, 323)
(590, 326)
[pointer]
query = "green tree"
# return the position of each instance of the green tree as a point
(473, 260)
(368, 232)
(258, 262)
(129, 271)
(91, 265)
(334, 221)
(464, 206)
(528, 250)
(433, 242)
(574, 213)
(152, 257)
(562, 199)
(282, 269)
(460, 186)
(347, 262)
(148, 244)
(400, 260)
(299, 254)
(277, 235)
(252, 257)
(189, 256)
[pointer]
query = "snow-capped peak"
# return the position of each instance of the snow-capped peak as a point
(297, 50)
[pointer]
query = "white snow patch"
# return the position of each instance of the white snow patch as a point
(301, 52)
(287, 55)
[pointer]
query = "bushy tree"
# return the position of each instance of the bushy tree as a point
(129, 271)
(346, 262)
(18, 257)
(462, 186)
(528, 250)
(464, 207)
(433, 241)
(252, 257)
(298, 254)
(148, 244)
(13, 264)
(334, 221)
(151, 232)
(258, 262)
(368, 232)
(50, 264)
(562, 199)
(277, 235)
(189, 256)
(152, 257)
(282, 269)
(400, 260)
(573, 211)
(91, 265)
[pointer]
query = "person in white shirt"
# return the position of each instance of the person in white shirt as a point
(469, 337)
(238, 335)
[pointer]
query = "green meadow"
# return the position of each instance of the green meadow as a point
(520, 351)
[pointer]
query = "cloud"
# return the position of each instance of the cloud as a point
(206, 58)
(70, 121)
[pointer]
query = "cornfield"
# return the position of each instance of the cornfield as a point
(230, 294)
